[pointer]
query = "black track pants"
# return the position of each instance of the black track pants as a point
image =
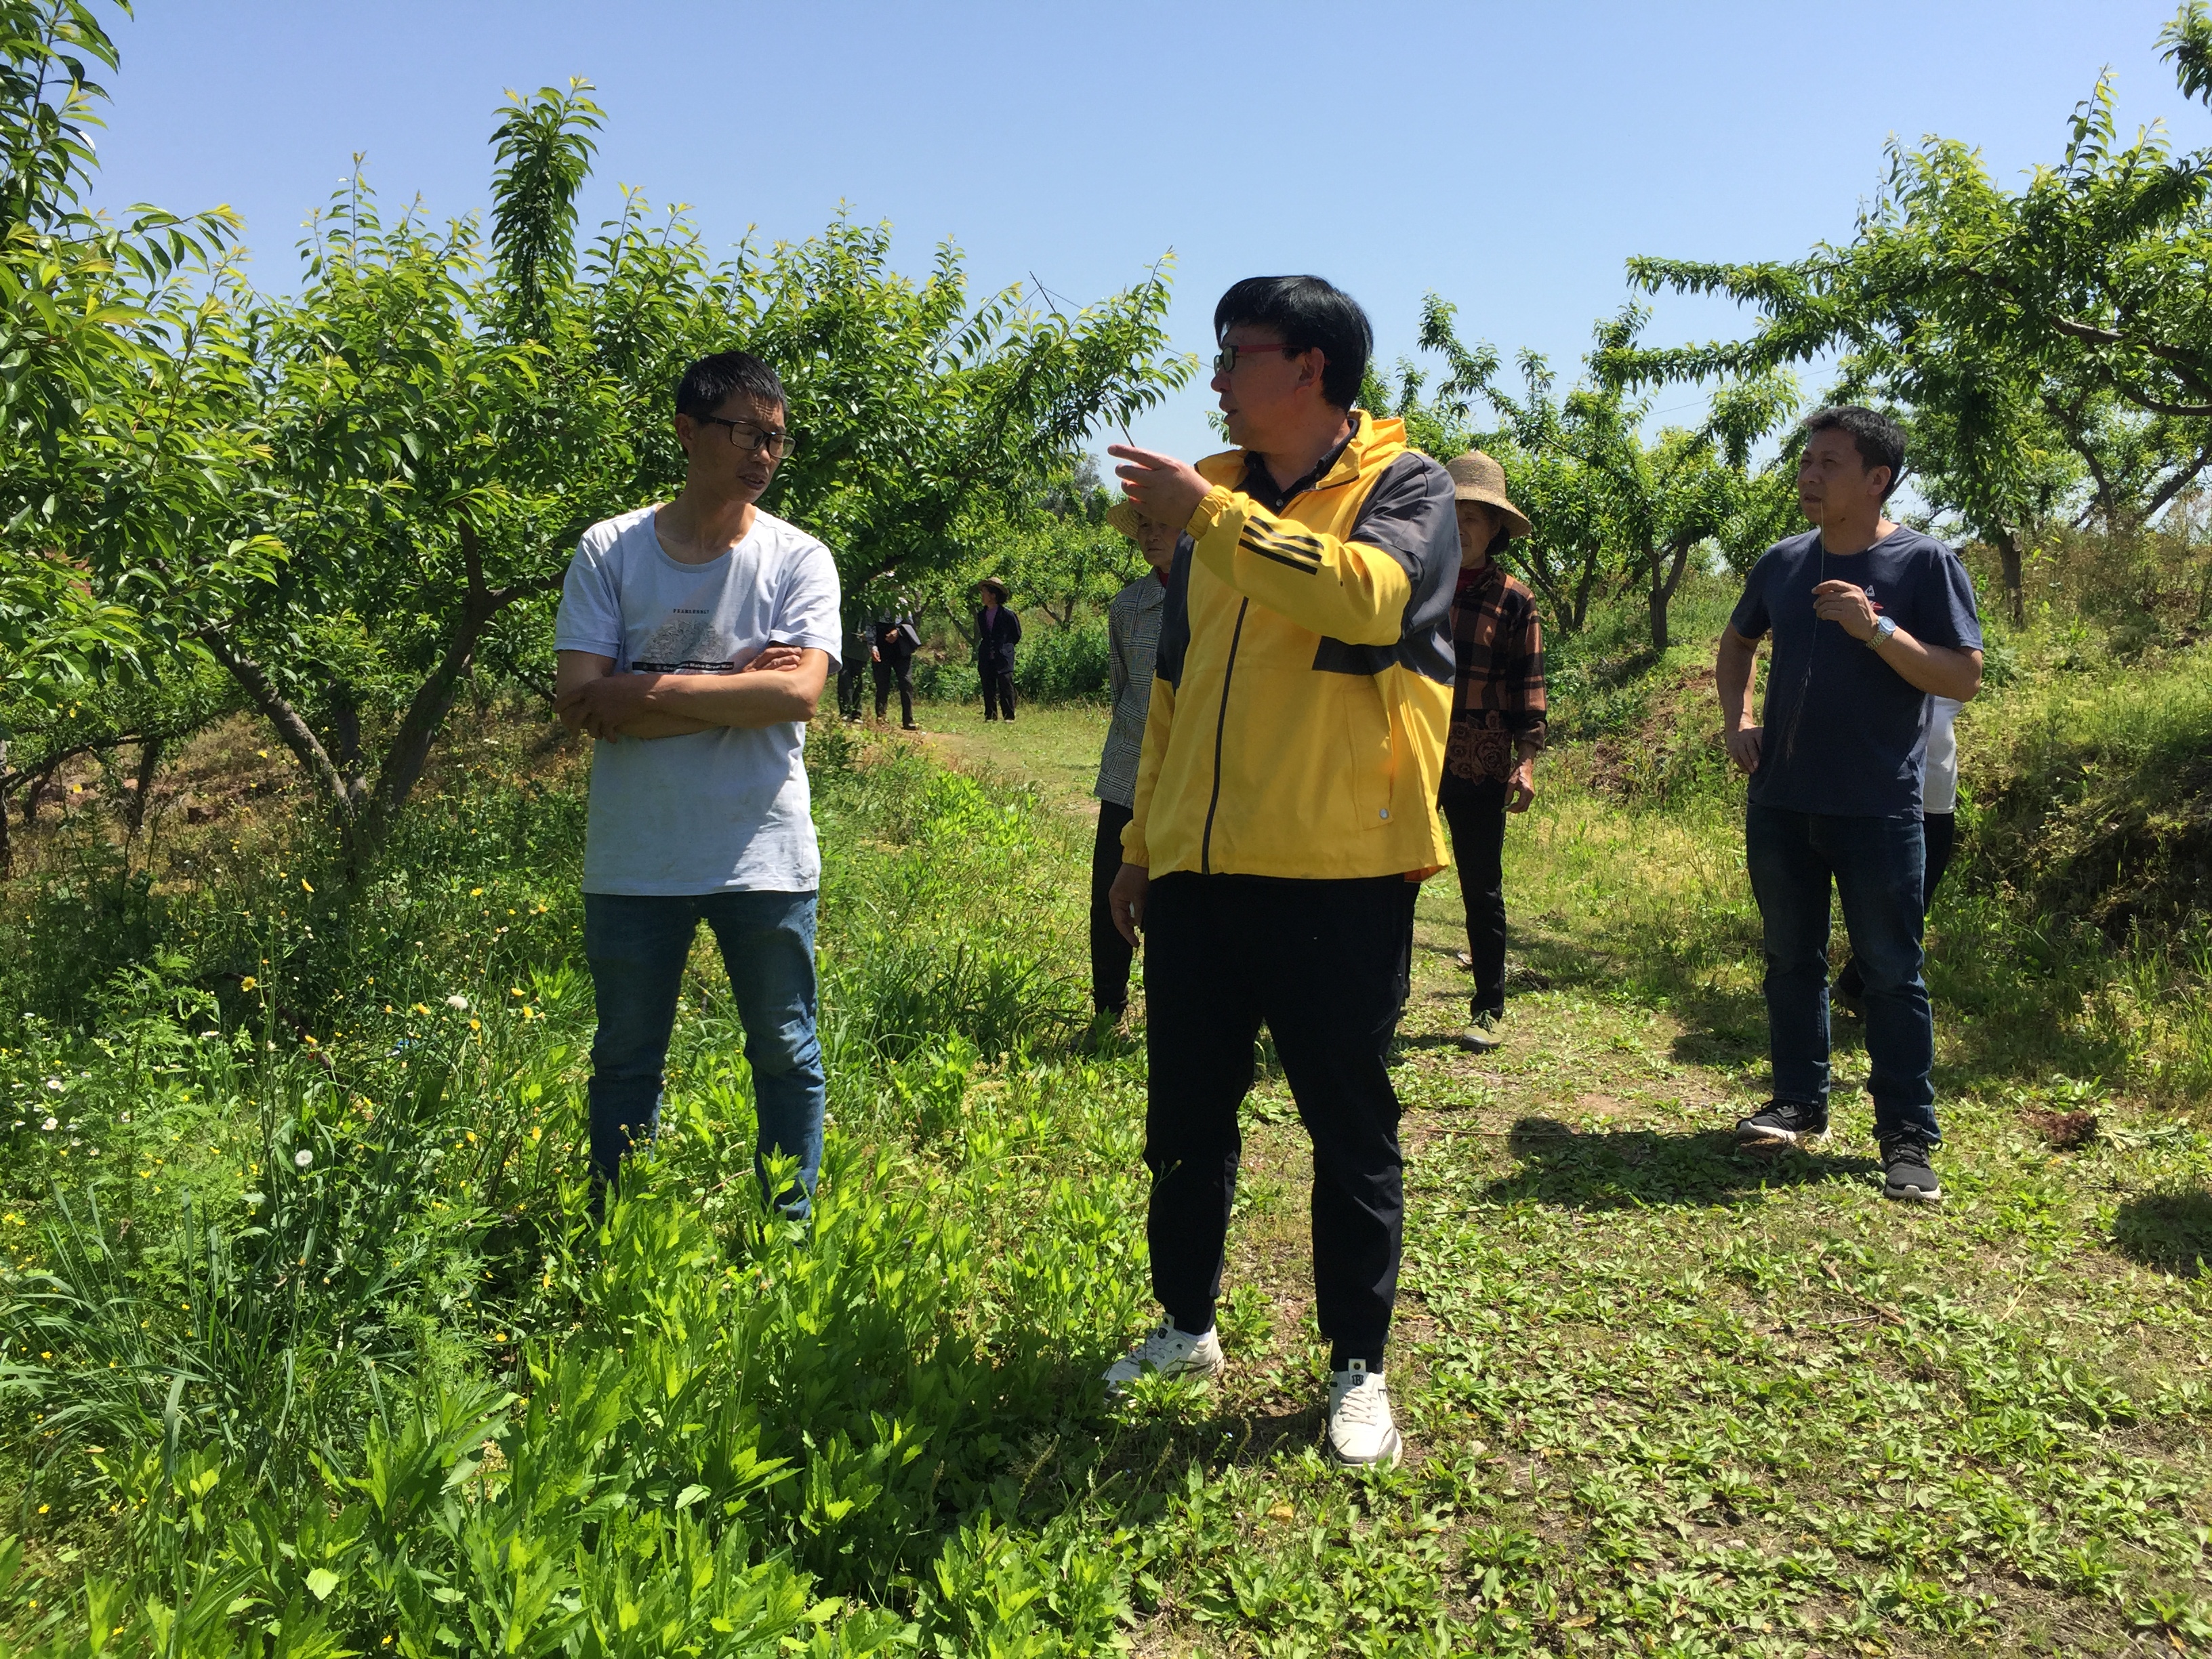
(1317, 961)
(1476, 813)
(1110, 952)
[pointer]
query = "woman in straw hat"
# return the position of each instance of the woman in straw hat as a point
(1132, 638)
(1497, 723)
(997, 631)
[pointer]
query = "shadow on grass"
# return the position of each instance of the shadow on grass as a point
(2170, 1232)
(1622, 1169)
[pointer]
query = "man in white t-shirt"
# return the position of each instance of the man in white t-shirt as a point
(694, 641)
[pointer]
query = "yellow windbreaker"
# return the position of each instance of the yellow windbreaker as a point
(1304, 682)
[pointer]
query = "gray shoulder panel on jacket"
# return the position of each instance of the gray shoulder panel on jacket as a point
(1409, 515)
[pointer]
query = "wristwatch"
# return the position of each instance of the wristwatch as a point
(1883, 628)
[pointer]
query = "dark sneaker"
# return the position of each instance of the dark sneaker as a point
(1781, 1123)
(1908, 1174)
(1848, 997)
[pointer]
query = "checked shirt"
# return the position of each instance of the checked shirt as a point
(1497, 700)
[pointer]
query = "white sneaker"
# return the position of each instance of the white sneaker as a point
(1170, 1352)
(1360, 1430)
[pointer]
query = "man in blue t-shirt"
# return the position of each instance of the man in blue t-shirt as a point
(1869, 619)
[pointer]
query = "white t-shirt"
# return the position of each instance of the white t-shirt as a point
(1939, 788)
(716, 810)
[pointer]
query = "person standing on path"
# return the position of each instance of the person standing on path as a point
(997, 631)
(693, 642)
(1286, 798)
(892, 641)
(1497, 725)
(1869, 620)
(1133, 636)
(1939, 828)
(852, 670)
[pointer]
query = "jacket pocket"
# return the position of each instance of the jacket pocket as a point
(1372, 763)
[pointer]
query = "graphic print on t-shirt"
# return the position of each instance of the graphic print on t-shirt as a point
(727, 808)
(687, 643)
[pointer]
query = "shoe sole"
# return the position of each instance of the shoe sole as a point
(1912, 1194)
(1475, 1045)
(1201, 1373)
(1387, 1459)
(1777, 1140)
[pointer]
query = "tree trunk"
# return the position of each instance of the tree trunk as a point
(1667, 570)
(149, 763)
(2006, 543)
(345, 726)
(409, 751)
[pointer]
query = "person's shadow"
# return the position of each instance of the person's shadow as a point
(2170, 1232)
(1619, 1168)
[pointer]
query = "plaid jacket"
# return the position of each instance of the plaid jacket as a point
(1498, 701)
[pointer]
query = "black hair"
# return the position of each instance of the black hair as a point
(1310, 313)
(1878, 440)
(707, 382)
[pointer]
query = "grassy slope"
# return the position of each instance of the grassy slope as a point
(1660, 1399)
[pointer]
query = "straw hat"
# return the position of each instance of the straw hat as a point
(1123, 517)
(1476, 477)
(995, 586)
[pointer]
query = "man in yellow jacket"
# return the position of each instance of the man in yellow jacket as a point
(1285, 815)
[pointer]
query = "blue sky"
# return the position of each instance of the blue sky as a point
(1509, 156)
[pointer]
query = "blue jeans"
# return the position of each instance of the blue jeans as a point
(636, 946)
(1877, 866)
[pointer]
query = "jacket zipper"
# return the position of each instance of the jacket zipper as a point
(1220, 726)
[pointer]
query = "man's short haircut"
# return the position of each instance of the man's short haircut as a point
(710, 380)
(1308, 312)
(1878, 440)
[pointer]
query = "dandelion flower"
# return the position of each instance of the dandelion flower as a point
(515, 990)
(303, 1157)
(248, 983)
(476, 892)
(307, 885)
(456, 1000)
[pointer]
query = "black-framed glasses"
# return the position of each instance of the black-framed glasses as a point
(1224, 361)
(747, 437)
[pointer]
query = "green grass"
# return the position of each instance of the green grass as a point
(1660, 1399)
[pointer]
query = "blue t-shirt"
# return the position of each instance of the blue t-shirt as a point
(1844, 734)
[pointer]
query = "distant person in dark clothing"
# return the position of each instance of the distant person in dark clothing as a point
(1132, 638)
(852, 670)
(1497, 725)
(892, 641)
(997, 631)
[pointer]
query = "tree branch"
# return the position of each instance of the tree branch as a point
(298, 736)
